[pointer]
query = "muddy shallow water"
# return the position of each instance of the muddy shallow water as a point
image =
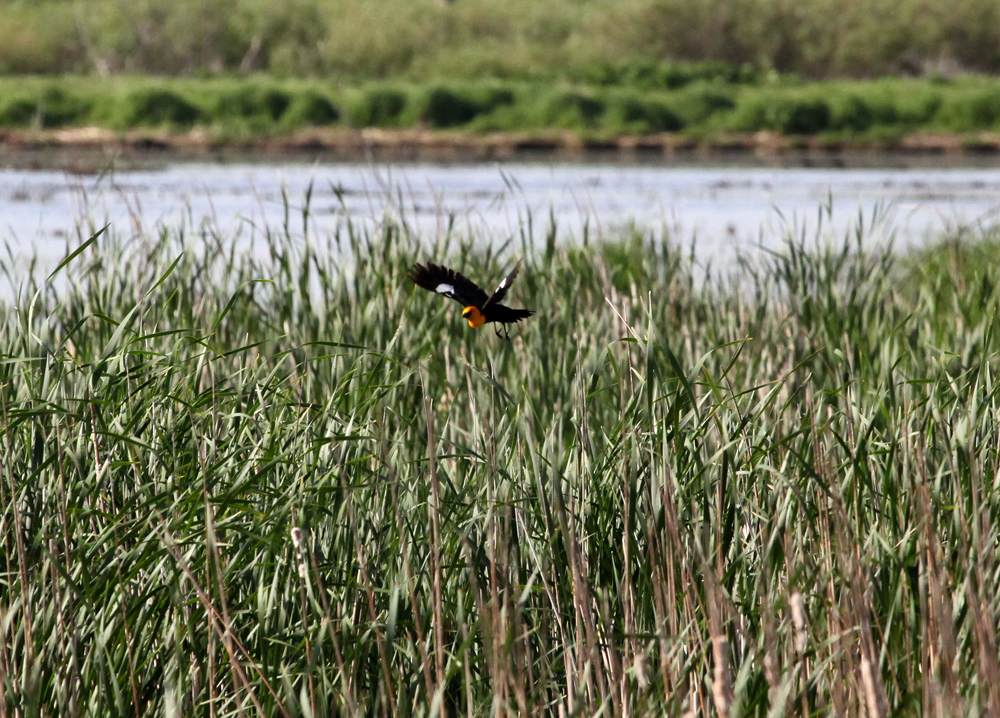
(720, 211)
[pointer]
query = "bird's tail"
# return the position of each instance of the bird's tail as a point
(506, 315)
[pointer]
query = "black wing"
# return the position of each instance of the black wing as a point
(504, 314)
(448, 283)
(501, 291)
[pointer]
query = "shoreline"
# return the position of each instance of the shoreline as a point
(86, 150)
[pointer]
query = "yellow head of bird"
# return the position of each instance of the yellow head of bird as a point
(474, 316)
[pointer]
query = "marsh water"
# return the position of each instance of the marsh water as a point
(718, 211)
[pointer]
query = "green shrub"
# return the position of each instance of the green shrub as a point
(977, 110)
(441, 107)
(18, 112)
(491, 98)
(250, 102)
(918, 107)
(780, 113)
(805, 116)
(58, 108)
(854, 113)
(50, 107)
(639, 115)
(573, 109)
(851, 113)
(157, 106)
(377, 107)
(444, 107)
(749, 115)
(310, 108)
(697, 103)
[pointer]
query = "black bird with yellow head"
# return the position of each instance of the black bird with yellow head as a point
(479, 309)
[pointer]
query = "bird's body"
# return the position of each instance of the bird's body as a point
(475, 317)
(479, 309)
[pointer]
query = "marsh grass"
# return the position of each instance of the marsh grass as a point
(297, 485)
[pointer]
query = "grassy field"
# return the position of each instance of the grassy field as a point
(704, 102)
(300, 486)
(472, 39)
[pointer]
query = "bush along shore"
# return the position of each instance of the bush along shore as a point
(713, 109)
(299, 486)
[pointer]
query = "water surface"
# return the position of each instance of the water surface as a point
(719, 211)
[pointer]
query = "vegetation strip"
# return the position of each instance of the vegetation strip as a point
(957, 114)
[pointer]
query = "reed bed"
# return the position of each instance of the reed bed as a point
(292, 484)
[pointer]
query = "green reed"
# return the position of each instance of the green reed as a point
(291, 483)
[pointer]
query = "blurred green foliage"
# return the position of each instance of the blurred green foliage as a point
(376, 107)
(310, 108)
(157, 106)
(662, 44)
(263, 105)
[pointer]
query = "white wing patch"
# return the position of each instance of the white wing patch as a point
(447, 290)
(504, 284)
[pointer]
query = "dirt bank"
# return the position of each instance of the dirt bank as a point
(79, 149)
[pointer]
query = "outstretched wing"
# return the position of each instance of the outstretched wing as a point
(501, 291)
(448, 283)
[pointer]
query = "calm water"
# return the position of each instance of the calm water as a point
(718, 210)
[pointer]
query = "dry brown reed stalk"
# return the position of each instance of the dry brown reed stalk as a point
(435, 519)
(980, 594)
(662, 595)
(387, 695)
(941, 694)
(338, 655)
(840, 652)
(630, 649)
(679, 564)
(212, 559)
(222, 628)
(770, 661)
(987, 662)
(405, 552)
(299, 538)
(722, 682)
(19, 531)
(871, 677)
(612, 655)
(592, 666)
(800, 623)
(505, 678)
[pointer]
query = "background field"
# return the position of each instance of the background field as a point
(592, 67)
(283, 487)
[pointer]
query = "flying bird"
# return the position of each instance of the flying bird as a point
(479, 309)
